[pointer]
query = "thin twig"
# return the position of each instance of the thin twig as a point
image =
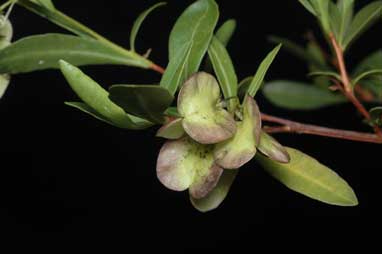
(289, 126)
(347, 86)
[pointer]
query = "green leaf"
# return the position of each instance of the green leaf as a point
(46, 3)
(146, 101)
(325, 74)
(89, 110)
(261, 72)
(365, 75)
(224, 35)
(226, 31)
(307, 4)
(98, 100)
(42, 52)
(346, 9)
(307, 176)
(189, 41)
(362, 21)
(322, 11)
(225, 71)
(218, 194)
(335, 20)
(376, 116)
(57, 18)
(138, 23)
(300, 96)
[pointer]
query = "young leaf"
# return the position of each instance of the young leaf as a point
(218, 194)
(42, 52)
(261, 72)
(307, 176)
(299, 96)
(138, 22)
(189, 41)
(224, 70)
(362, 21)
(98, 100)
(146, 101)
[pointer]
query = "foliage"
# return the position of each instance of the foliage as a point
(215, 126)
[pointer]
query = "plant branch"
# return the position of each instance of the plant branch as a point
(289, 126)
(346, 82)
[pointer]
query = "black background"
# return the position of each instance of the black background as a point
(62, 171)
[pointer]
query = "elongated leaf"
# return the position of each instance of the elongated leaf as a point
(307, 176)
(261, 71)
(146, 101)
(322, 10)
(299, 96)
(307, 4)
(223, 34)
(226, 31)
(346, 9)
(97, 99)
(57, 17)
(273, 149)
(335, 20)
(46, 3)
(88, 110)
(189, 41)
(325, 74)
(362, 21)
(365, 75)
(42, 52)
(138, 23)
(217, 195)
(224, 70)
